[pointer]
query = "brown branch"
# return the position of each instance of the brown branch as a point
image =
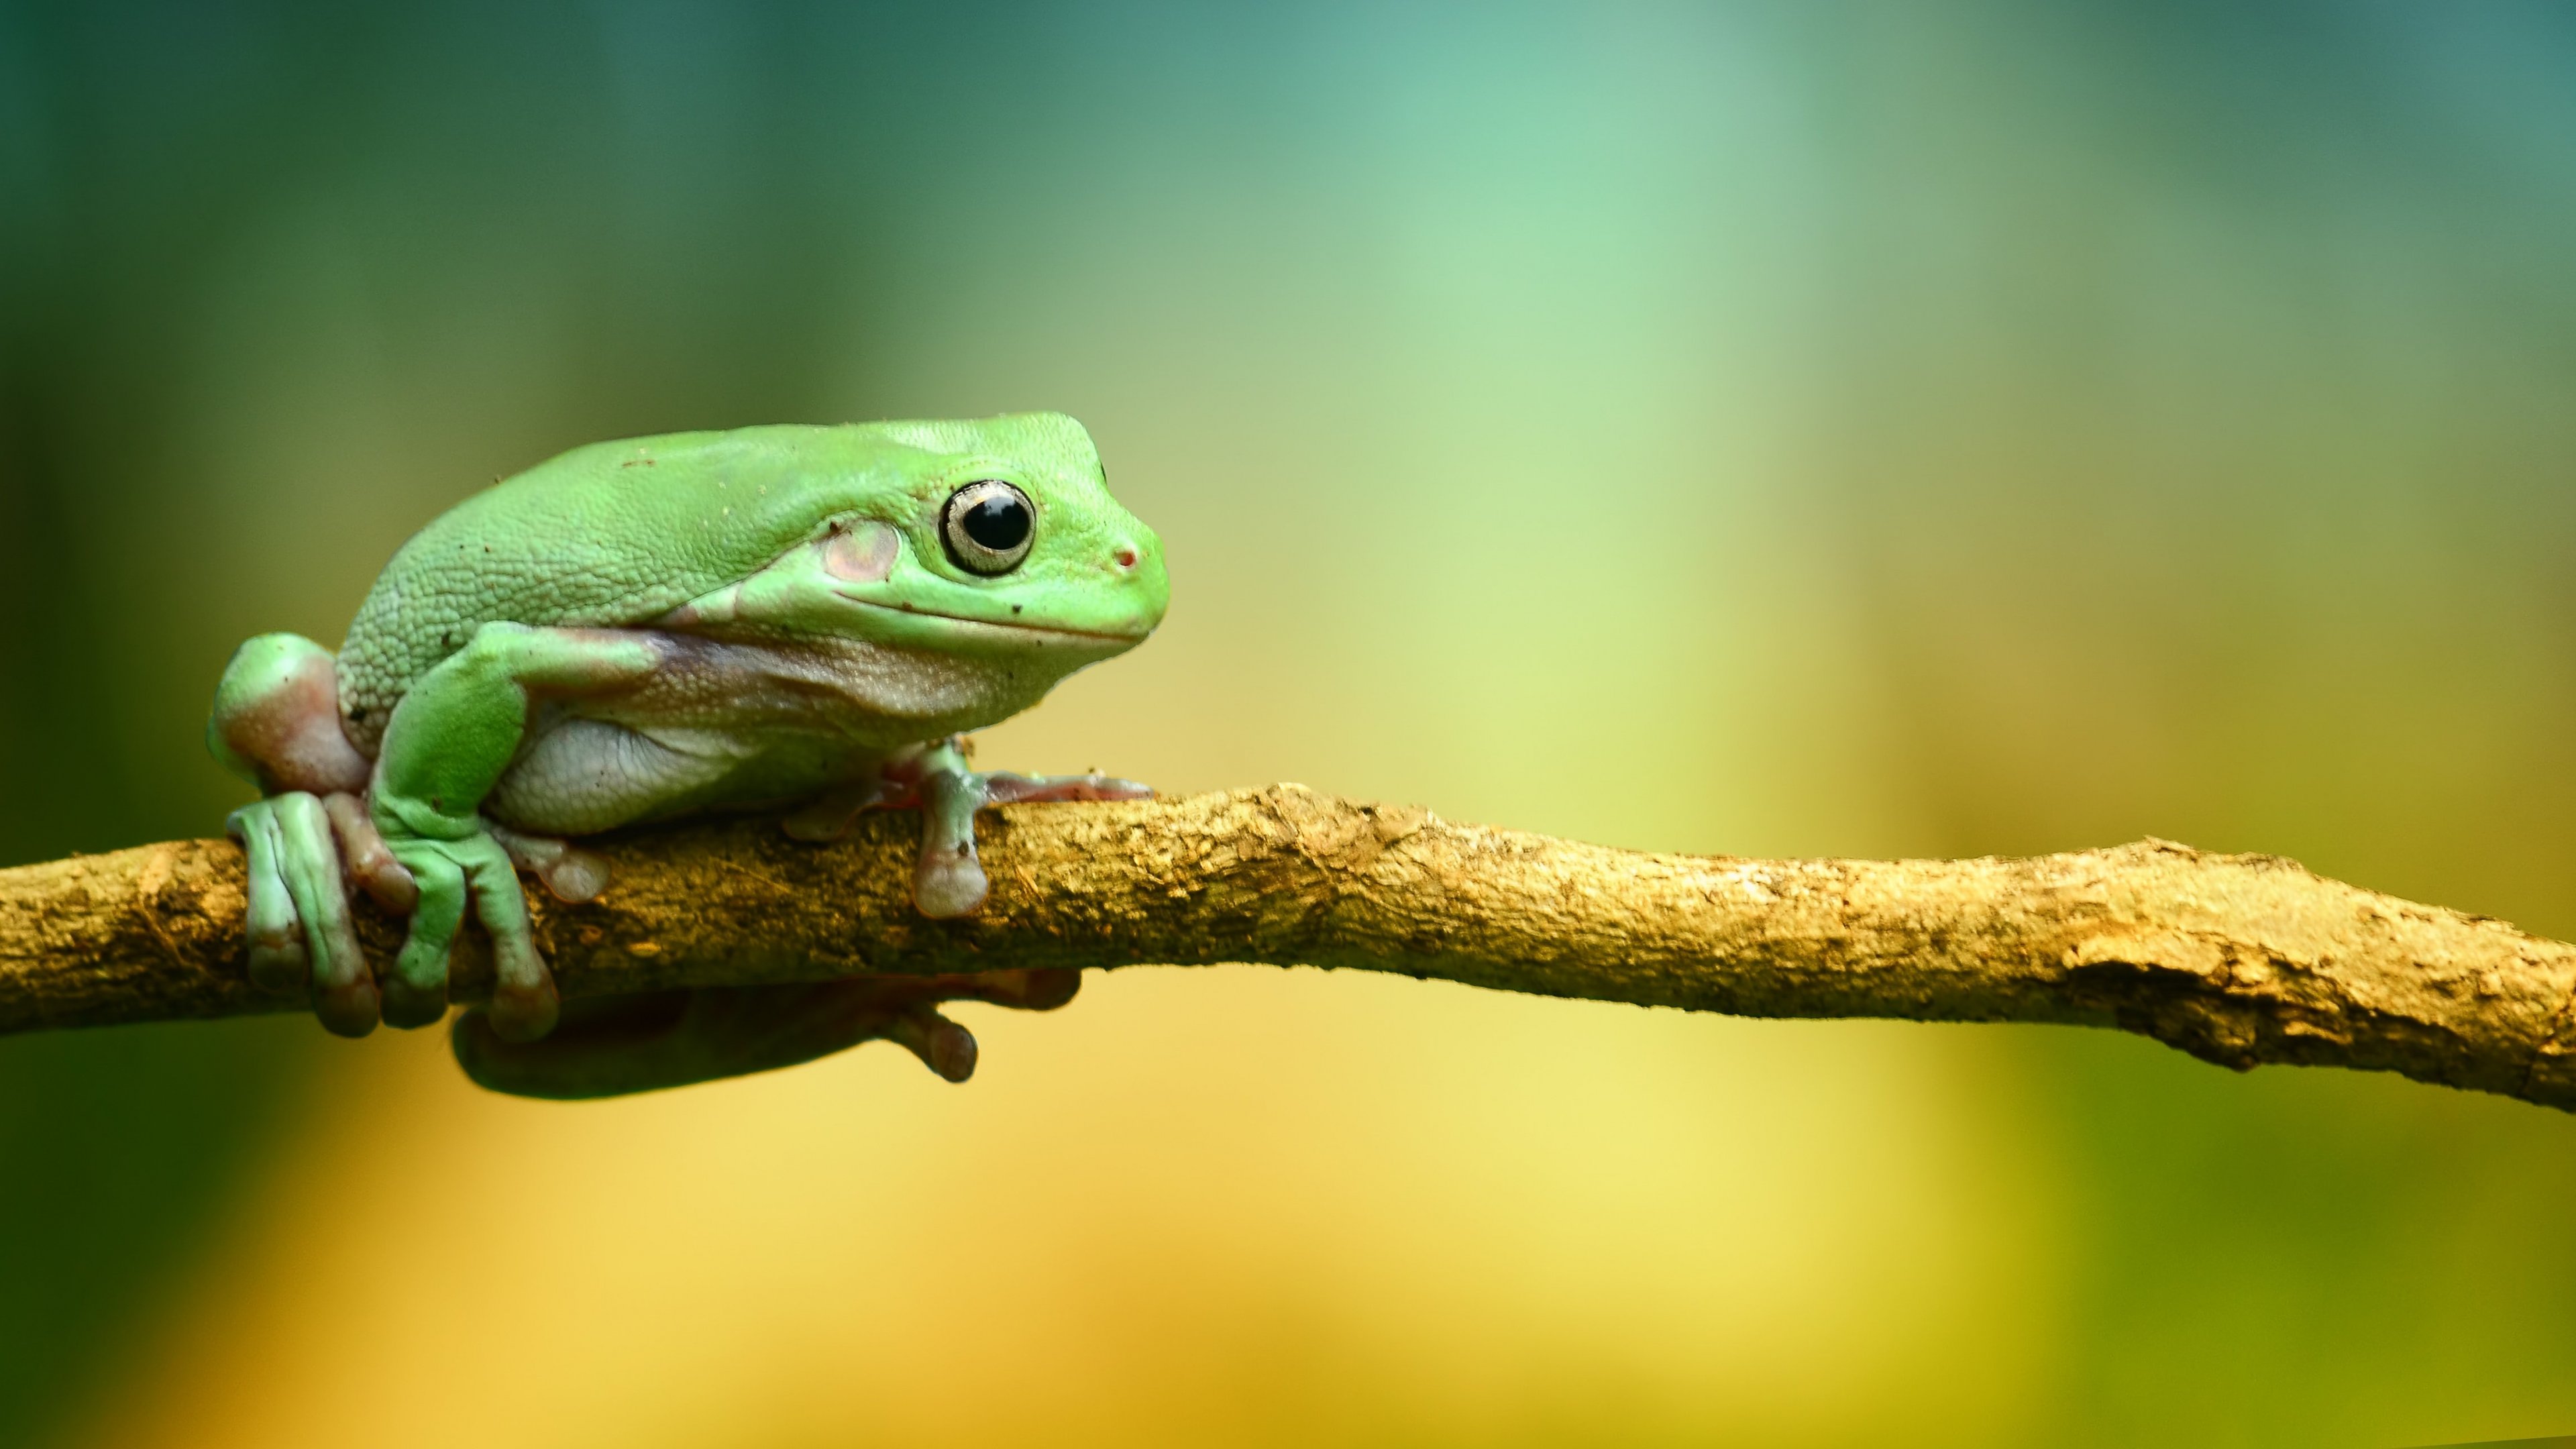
(2238, 959)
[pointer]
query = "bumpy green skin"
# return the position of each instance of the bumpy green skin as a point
(649, 628)
(619, 533)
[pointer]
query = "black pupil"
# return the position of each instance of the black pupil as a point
(998, 522)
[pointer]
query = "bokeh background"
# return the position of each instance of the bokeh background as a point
(1863, 430)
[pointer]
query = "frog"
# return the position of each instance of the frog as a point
(800, 619)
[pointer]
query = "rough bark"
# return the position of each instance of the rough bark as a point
(2237, 959)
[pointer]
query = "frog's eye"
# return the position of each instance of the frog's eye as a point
(987, 527)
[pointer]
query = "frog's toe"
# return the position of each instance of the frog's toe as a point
(410, 1005)
(571, 874)
(524, 1013)
(948, 882)
(344, 990)
(277, 960)
(1041, 989)
(415, 991)
(450, 875)
(301, 936)
(904, 1009)
(941, 1044)
(363, 851)
(577, 875)
(524, 1002)
(351, 1008)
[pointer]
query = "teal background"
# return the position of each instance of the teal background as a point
(1862, 430)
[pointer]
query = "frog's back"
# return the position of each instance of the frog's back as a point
(604, 536)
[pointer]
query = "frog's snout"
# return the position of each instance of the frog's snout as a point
(1135, 561)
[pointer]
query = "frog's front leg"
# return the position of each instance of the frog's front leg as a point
(948, 880)
(455, 731)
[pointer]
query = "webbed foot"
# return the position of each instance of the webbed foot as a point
(948, 880)
(276, 723)
(461, 865)
(608, 1046)
(301, 938)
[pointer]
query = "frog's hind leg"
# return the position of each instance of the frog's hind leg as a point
(276, 722)
(608, 1046)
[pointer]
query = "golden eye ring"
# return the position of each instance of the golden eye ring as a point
(988, 527)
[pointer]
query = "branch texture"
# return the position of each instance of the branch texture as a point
(2236, 959)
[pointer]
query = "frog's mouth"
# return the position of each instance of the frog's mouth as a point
(1009, 629)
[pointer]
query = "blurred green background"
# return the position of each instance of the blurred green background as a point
(1859, 430)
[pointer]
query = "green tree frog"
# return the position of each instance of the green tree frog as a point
(796, 618)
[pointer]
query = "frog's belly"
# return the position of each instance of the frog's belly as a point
(732, 725)
(581, 775)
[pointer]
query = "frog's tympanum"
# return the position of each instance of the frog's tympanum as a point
(799, 618)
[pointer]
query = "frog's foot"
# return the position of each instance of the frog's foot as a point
(612, 1045)
(947, 880)
(297, 906)
(1001, 787)
(276, 722)
(462, 865)
(570, 873)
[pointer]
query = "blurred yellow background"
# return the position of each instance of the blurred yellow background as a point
(1859, 430)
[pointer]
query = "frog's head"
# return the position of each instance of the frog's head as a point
(993, 540)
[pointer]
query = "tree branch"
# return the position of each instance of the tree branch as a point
(2236, 959)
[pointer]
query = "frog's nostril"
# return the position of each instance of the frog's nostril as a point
(1126, 556)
